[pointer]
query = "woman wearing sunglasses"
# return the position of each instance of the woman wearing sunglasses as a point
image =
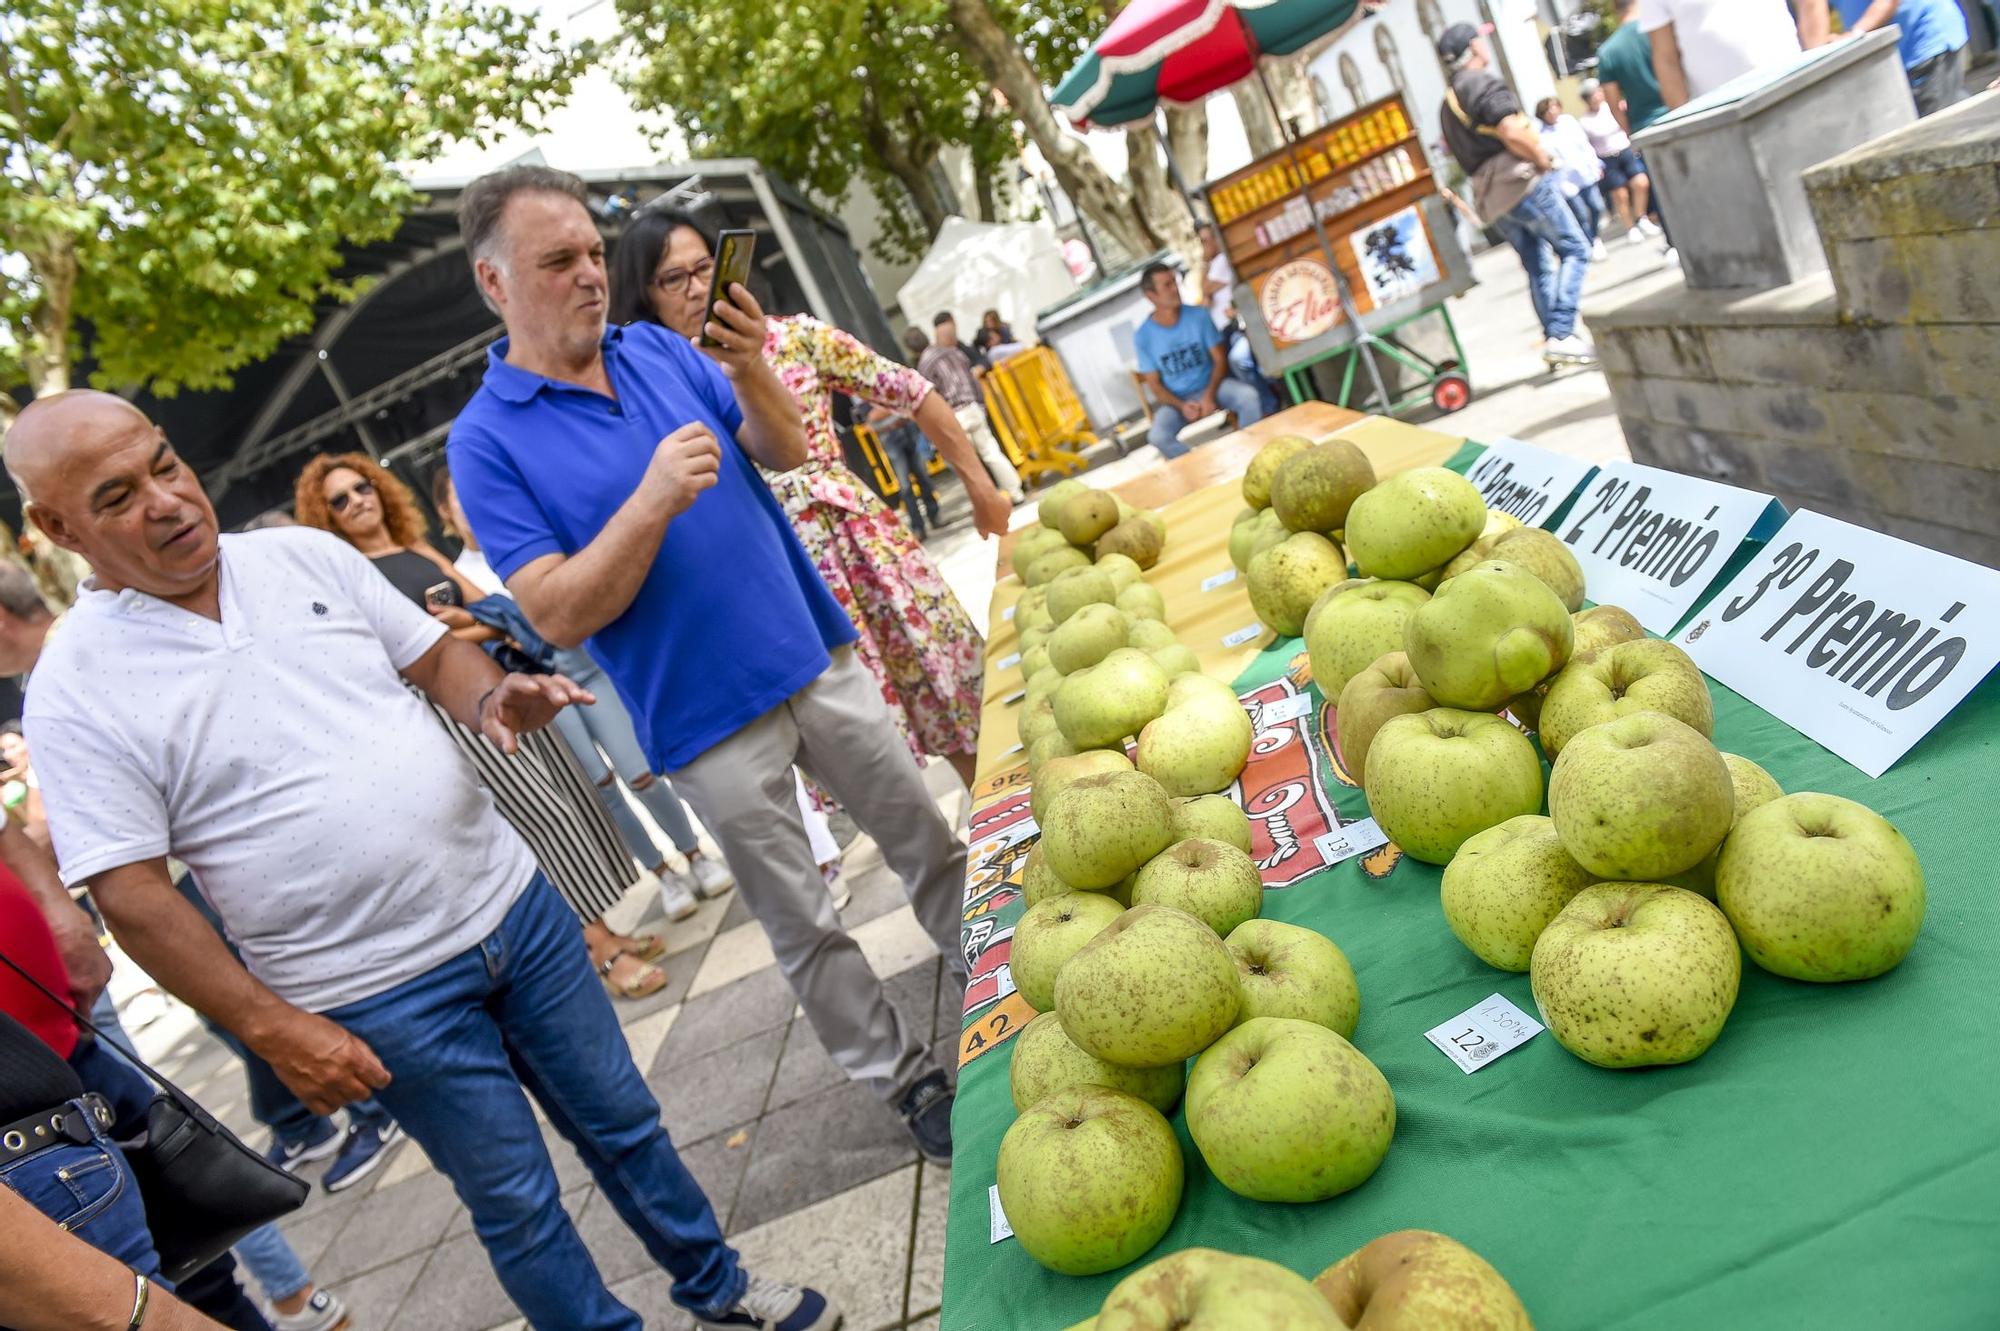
(539, 789)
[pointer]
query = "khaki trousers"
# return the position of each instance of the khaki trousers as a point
(973, 421)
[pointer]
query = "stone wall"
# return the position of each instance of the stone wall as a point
(1871, 392)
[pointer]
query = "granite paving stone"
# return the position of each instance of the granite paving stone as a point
(372, 1298)
(927, 1246)
(704, 1095)
(718, 1163)
(724, 1016)
(817, 1148)
(456, 1291)
(854, 1245)
(387, 1225)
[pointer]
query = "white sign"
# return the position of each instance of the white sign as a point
(1483, 1032)
(997, 1227)
(1285, 709)
(1857, 639)
(1247, 633)
(1652, 540)
(1222, 579)
(1350, 839)
(1394, 256)
(1008, 662)
(1299, 300)
(1526, 482)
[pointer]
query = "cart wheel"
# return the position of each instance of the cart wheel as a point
(1451, 392)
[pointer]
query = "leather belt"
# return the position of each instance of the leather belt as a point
(65, 1123)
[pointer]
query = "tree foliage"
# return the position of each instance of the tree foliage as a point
(180, 176)
(826, 94)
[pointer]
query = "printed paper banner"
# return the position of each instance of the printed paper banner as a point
(1856, 639)
(1652, 541)
(1527, 482)
(1395, 257)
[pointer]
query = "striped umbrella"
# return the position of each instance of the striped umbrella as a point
(1180, 51)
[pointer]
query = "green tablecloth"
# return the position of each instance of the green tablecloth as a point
(1833, 1160)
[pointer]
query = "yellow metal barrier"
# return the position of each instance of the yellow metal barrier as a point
(1039, 418)
(878, 462)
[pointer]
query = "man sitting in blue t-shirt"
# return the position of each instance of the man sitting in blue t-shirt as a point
(1181, 356)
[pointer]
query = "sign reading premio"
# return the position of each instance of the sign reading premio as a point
(1526, 482)
(1299, 300)
(1652, 540)
(1857, 639)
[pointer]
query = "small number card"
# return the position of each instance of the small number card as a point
(1483, 1032)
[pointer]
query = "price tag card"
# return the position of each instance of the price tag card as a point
(1483, 1032)
(1527, 482)
(1856, 639)
(997, 1227)
(1008, 613)
(1222, 579)
(1013, 697)
(1652, 540)
(1285, 709)
(1248, 633)
(1350, 839)
(1008, 662)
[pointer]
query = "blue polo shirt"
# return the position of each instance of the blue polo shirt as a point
(1179, 354)
(1930, 27)
(732, 618)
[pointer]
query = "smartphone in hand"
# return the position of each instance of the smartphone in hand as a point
(441, 593)
(733, 251)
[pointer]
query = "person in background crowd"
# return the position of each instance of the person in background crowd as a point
(991, 322)
(1218, 293)
(914, 636)
(1182, 360)
(417, 952)
(1624, 173)
(539, 788)
(608, 472)
(898, 435)
(20, 788)
(600, 735)
(1932, 46)
(1577, 169)
(946, 364)
(25, 618)
(1514, 188)
(1699, 45)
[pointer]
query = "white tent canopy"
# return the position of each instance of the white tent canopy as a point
(1016, 268)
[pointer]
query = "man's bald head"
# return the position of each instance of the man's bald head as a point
(100, 479)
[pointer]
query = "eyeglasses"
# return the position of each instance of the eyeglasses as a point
(683, 279)
(338, 503)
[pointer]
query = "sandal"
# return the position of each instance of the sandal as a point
(648, 980)
(646, 947)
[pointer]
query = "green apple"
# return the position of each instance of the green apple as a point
(1602, 625)
(1210, 880)
(1632, 974)
(1042, 683)
(1123, 570)
(1286, 579)
(1046, 566)
(1543, 554)
(1200, 742)
(1058, 774)
(1284, 970)
(1050, 508)
(1036, 634)
(1505, 885)
(1288, 1111)
(1249, 539)
(1650, 675)
(1148, 635)
(1200, 1289)
(1087, 637)
(1139, 538)
(1754, 788)
(1435, 779)
(1354, 624)
(1415, 1280)
(1044, 750)
(1176, 659)
(1313, 489)
(1037, 719)
(1099, 706)
(1264, 466)
(1491, 632)
(1387, 688)
(1035, 660)
(1821, 888)
(1155, 987)
(1212, 818)
(1101, 828)
(1073, 589)
(1640, 798)
(1045, 1061)
(1142, 600)
(1029, 546)
(1090, 1178)
(1049, 934)
(1038, 881)
(1087, 516)
(1413, 522)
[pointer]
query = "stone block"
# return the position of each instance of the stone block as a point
(1628, 392)
(1871, 278)
(1922, 203)
(1791, 415)
(1674, 353)
(1614, 356)
(1928, 427)
(1945, 496)
(1919, 279)
(1963, 359)
(1809, 475)
(1829, 356)
(1693, 403)
(1981, 547)
(1657, 445)
(1724, 456)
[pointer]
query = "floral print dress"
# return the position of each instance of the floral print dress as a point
(915, 637)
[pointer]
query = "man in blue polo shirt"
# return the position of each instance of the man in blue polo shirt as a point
(608, 475)
(1182, 359)
(1932, 46)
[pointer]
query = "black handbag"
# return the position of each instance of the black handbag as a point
(203, 1188)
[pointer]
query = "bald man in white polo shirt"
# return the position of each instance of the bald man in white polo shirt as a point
(239, 702)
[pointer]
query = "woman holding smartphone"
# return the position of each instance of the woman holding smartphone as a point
(915, 637)
(539, 789)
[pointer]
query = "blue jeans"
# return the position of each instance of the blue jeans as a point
(1231, 395)
(1539, 225)
(89, 1190)
(607, 748)
(523, 1013)
(1243, 367)
(271, 1261)
(900, 447)
(1587, 207)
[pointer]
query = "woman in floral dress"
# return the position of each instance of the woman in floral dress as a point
(915, 636)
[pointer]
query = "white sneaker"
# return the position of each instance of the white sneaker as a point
(1571, 350)
(711, 877)
(1598, 254)
(1671, 257)
(1634, 236)
(677, 896)
(1648, 228)
(323, 1312)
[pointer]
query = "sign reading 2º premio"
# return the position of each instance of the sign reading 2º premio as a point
(1859, 640)
(1652, 540)
(1526, 482)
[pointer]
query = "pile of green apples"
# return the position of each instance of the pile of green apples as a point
(1412, 1280)
(1143, 947)
(1076, 524)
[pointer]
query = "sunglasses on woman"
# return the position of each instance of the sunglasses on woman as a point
(338, 503)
